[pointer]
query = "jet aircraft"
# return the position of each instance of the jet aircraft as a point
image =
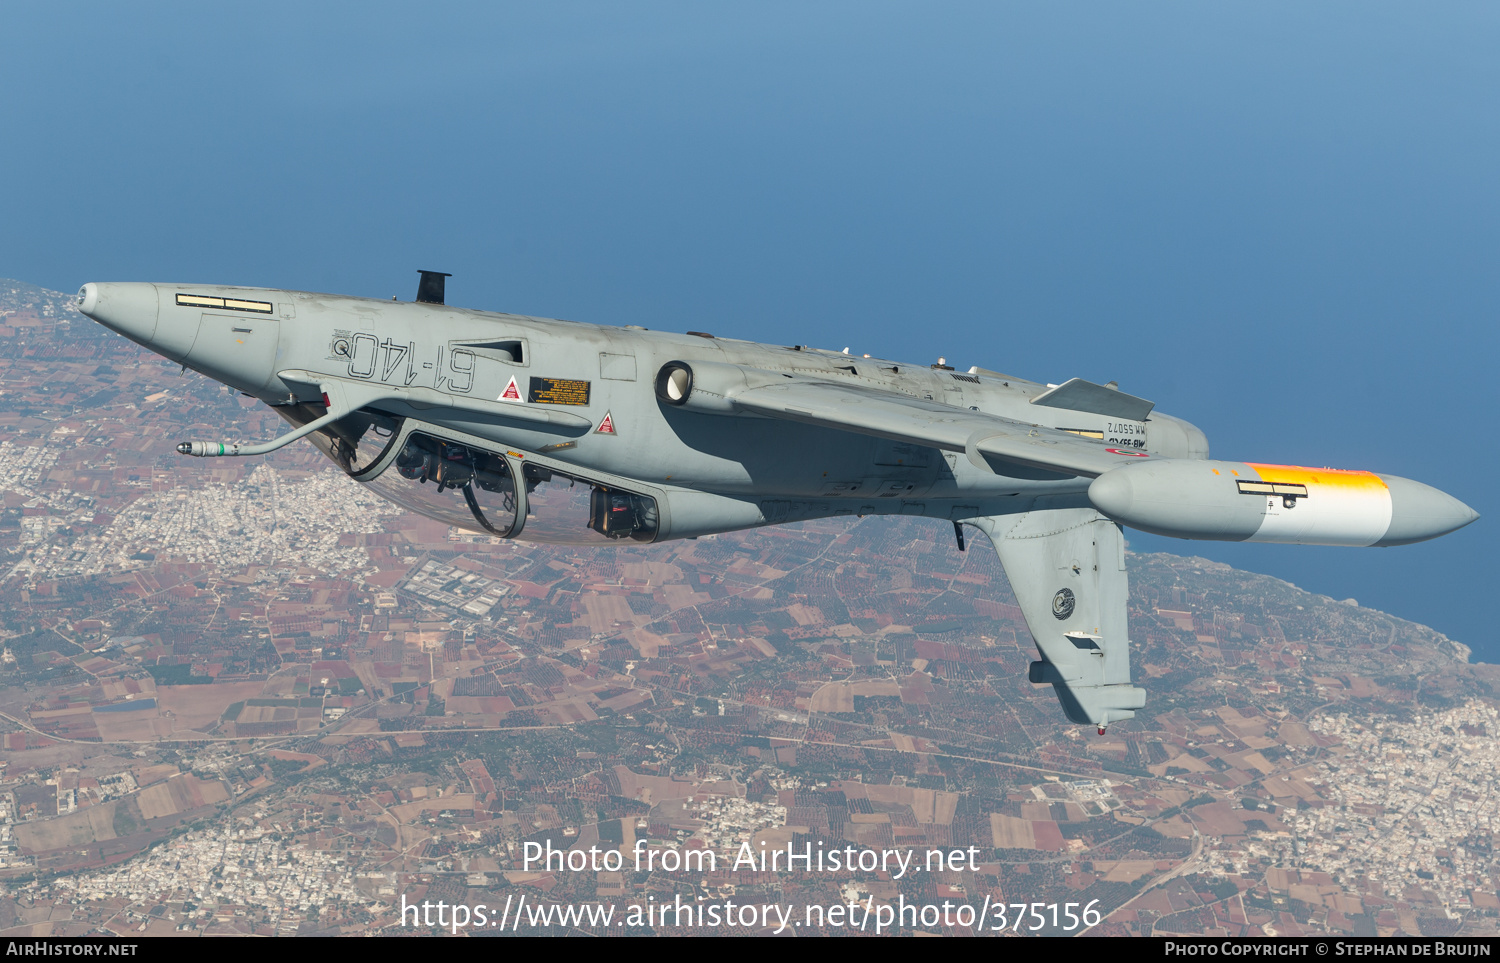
(557, 431)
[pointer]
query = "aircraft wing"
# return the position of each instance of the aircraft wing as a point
(989, 442)
(1067, 568)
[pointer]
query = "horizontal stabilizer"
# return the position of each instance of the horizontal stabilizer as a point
(1080, 395)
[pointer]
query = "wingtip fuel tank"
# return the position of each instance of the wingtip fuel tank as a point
(1253, 502)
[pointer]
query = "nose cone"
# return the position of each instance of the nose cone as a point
(128, 308)
(1420, 512)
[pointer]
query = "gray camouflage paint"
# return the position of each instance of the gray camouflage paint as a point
(774, 434)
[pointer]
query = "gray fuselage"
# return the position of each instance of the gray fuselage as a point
(711, 473)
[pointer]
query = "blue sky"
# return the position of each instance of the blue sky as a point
(1276, 220)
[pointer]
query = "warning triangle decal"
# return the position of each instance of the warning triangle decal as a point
(511, 392)
(607, 426)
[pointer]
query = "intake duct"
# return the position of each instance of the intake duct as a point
(711, 386)
(674, 383)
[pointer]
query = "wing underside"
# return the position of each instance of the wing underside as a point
(1067, 568)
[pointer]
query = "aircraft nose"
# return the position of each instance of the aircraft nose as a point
(1420, 512)
(129, 308)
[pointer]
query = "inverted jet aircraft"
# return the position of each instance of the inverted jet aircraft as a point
(556, 431)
